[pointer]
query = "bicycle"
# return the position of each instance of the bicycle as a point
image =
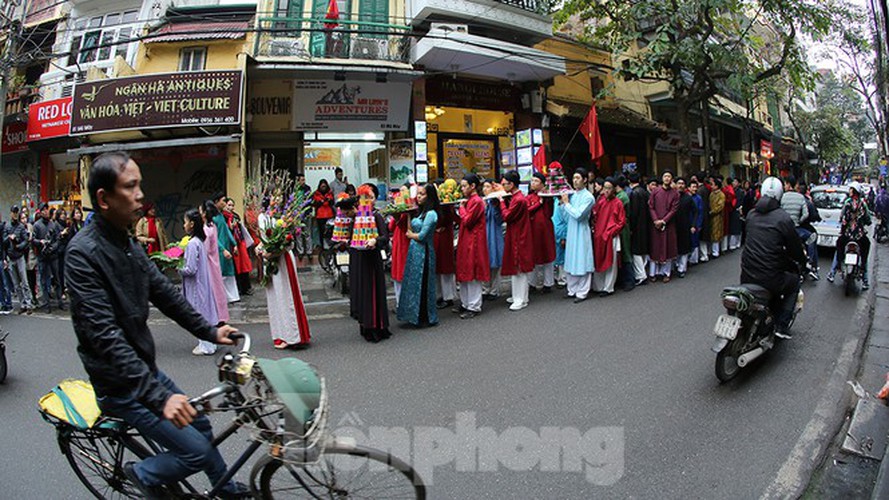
(303, 457)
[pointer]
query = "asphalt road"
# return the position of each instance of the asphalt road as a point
(624, 384)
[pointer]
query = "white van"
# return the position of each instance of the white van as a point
(829, 200)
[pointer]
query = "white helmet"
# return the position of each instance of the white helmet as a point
(856, 186)
(772, 188)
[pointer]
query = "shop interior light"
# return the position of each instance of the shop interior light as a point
(433, 112)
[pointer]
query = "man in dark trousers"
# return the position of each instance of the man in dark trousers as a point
(46, 245)
(640, 228)
(111, 283)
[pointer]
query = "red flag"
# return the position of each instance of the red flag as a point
(590, 130)
(333, 14)
(539, 160)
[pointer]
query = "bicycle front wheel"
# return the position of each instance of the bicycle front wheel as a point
(342, 472)
(98, 462)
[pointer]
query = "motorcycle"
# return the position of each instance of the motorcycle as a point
(852, 272)
(747, 330)
(3, 368)
(341, 270)
(881, 233)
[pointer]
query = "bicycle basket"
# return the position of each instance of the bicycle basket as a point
(300, 391)
(73, 402)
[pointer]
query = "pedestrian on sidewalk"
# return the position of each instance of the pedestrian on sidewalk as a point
(17, 243)
(685, 219)
(697, 223)
(323, 201)
(31, 258)
(211, 245)
(730, 203)
(46, 244)
(663, 205)
(303, 242)
(472, 248)
(367, 294)
(65, 236)
(518, 260)
(494, 239)
(704, 190)
(543, 239)
(288, 322)
(398, 228)
(6, 289)
(243, 242)
(150, 230)
(608, 221)
(227, 249)
(626, 275)
(717, 216)
(577, 208)
(445, 263)
(736, 222)
(418, 307)
(195, 274)
(560, 231)
(639, 219)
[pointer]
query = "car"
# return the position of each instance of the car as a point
(829, 200)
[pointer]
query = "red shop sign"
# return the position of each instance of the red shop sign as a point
(14, 137)
(765, 149)
(49, 119)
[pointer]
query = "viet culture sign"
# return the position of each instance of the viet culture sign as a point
(190, 99)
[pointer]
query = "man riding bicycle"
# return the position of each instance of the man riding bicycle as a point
(854, 220)
(772, 252)
(111, 282)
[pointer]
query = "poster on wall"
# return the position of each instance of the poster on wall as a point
(420, 131)
(351, 106)
(323, 158)
(464, 156)
(422, 152)
(401, 161)
(523, 138)
(422, 173)
(525, 174)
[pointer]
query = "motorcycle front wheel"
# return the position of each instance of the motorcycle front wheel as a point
(727, 360)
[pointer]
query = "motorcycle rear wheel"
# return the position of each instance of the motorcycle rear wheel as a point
(850, 288)
(727, 361)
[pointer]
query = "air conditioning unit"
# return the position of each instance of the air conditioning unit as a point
(286, 47)
(447, 28)
(370, 48)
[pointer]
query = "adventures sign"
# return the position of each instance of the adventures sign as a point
(351, 106)
(192, 99)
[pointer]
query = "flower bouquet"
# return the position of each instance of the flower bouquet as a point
(282, 212)
(173, 258)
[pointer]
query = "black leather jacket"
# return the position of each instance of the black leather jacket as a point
(19, 247)
(111, 281)
(772, 246)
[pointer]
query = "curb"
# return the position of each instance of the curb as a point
(827, 420)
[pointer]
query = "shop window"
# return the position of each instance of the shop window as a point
(193, 59)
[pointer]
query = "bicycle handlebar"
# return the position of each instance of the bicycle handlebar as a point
(242, 336)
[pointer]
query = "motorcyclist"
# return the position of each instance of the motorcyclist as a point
(773, 254)
(854, 220)
(794, 202)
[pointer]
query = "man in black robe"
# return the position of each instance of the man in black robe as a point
(640, 228)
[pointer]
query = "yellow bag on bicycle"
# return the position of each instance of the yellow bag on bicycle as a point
(72, 401)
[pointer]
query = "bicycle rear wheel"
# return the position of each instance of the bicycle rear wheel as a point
(98, 458)
(342, 472)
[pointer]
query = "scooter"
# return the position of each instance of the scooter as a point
(3, 368)
(881, 233)
(747, 329)
(341, 270)
(852, 272)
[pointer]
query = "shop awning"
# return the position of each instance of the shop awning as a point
(166, 143)
(610, 114)
(184, 32)
(456, 52)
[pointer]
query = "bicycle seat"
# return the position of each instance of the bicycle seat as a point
(762, 295)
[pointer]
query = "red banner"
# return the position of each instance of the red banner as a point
(14, 136)
(765, 149)
(49, 119)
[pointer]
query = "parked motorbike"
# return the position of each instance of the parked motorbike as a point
(852, 272)
(3, 368)
(341, 270)
(881, 233)
(747, 329)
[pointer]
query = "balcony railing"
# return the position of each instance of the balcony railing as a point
(19, 102)
(309, 39)
(543, 7)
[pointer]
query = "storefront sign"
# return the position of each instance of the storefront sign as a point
(350, 106)
(765, 149)
(401, 161)
(669, 142)
(270, 105)
(323, 158)
(191, 99)
(49, 119)
(464, 156)
(14, 135)
(471, 94)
